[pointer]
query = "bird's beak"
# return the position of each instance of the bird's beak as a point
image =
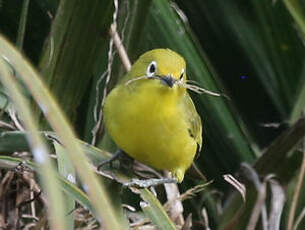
(168, 80)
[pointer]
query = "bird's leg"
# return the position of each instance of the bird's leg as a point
(115, 156)
(145, 183)
(149, 182)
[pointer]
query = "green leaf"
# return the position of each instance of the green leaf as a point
(279, 157)
(66, 170)
(38, 147)
(154, 210)
(297, 10)
(59, 123)
(69, 56)
(22, 24)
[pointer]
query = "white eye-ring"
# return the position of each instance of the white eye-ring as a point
(151, 69)
(182, 75)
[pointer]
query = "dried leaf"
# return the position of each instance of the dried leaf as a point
(236, 184)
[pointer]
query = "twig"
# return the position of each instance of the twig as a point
(7, 125)
(299, 219)
(188, 194)
(200, 90)
(175, 207)
(134, 182)
(32, 195)
(120, 48)
(27, 177)
(13, 116)
(205, 217)
(27, 216)
(140, 223)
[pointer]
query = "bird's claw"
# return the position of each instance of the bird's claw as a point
(148, 182)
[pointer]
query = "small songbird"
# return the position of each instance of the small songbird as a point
(150, 115)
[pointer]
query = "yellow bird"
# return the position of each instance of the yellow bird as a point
(150, 115)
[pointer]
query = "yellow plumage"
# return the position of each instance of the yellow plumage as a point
(150, 115)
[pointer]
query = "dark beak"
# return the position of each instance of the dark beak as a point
(168, 80)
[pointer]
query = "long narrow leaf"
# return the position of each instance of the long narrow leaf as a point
(38, 147)
(155, 211)
(67, 170)
(59, 123)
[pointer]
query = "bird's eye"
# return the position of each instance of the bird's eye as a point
(151, 69)
(182, 74)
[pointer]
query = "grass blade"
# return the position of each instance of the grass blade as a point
(22, 24)
(297, 11)
(66, 170)
(59, 123)
(154, 210)
(38, 147)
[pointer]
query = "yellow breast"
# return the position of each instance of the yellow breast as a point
(148, 123)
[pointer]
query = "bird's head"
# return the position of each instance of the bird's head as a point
(162, 67)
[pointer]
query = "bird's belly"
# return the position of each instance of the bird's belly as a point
(153, 134)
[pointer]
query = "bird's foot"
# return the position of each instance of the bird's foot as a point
(115, 156)
(149, 182)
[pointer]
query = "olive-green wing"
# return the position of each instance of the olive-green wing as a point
(193, 120)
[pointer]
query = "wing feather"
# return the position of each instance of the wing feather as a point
(193, 120)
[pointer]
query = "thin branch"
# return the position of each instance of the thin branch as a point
(120, 47)
(205, 217)
(6, 125)
(175, 205)
(299, 219)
